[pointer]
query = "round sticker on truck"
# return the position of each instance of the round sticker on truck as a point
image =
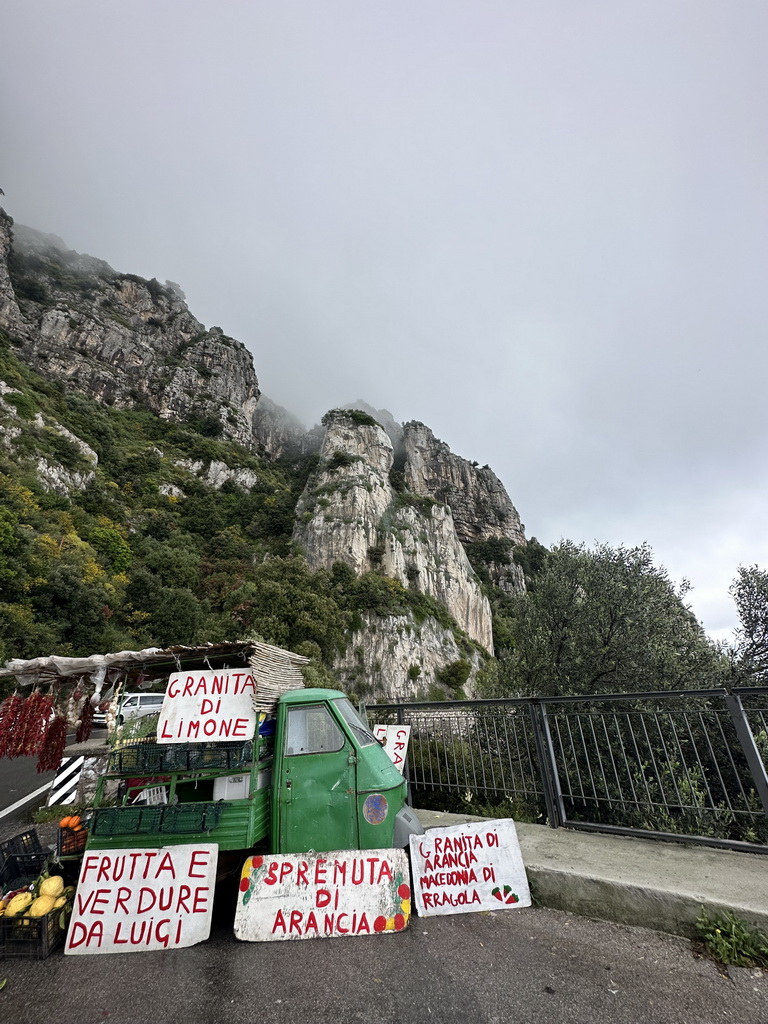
(375, 809)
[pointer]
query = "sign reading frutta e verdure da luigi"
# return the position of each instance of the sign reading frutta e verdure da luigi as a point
(464, 868)
(323, 895)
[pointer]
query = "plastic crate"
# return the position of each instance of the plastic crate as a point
(31, 938)
(20, 869)
(70, 842)
(24, 842)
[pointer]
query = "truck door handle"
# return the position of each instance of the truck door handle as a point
(288, 784)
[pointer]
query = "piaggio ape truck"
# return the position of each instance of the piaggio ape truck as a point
(311, 777)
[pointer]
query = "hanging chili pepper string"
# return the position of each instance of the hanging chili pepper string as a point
(54, 743)
(9, 714)
(86, 721)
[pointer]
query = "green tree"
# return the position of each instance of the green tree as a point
(604, 620)
(750, 592)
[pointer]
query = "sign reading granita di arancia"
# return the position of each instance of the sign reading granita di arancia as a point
(204, 707)
(323, 895)
(471, 867)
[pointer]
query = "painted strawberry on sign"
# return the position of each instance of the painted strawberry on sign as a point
(505, 894)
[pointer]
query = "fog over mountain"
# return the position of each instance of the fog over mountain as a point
(537, 228)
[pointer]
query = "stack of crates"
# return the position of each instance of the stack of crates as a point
(22, 859)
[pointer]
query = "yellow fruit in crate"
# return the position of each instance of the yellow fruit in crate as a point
(60, 902)
(53, 886)
(18, 904)
(41, 906)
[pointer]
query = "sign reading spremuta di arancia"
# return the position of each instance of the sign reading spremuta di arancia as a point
(323, 895)
(464, 868)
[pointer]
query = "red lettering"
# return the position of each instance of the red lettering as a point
(117, 940)
(193, 863)
(343, 931)
(339, 872)
(104, 867)
(285, 869)
(79, 934)
(202, 685)
(150, 855)
(295, 923)
(206, 706)
(322, 898)
(279, 922)
(311, 922)
(193, 727)
(357, 880)
(209, 726)
(184, 893)
(301, 874)
(169, 692)
(85, 904)
(199, 904)
(271, 876)
(187, 691)
(98, 900)
(240, 728)
(121, 898)
(90, 864)
(166, 864)
(164, 734)
(145, 905)
(385, 872)
(225, 728)
(320, 871)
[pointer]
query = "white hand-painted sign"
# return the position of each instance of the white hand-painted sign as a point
(322, 895)
(131, 900)
(396, 742)
(208, 707)
(471, 867)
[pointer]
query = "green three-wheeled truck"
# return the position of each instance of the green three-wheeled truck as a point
(313, 777)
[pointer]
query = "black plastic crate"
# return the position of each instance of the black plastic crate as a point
(70, 842)
(21, 869)
(31, 938)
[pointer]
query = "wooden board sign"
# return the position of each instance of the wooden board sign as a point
(464, 868)
(395, 742)
(208, 707)
(133, 900)
(323, 895)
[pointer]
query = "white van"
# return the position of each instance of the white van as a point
(136, 705)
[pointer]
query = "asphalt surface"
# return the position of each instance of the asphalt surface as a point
(523, 965)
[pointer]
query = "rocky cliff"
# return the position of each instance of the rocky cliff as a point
(350, 512)
(120, 339)
(384, 498)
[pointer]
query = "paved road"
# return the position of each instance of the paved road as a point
(528, 966)
(19, 778)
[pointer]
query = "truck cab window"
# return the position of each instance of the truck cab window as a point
(360, 730)
(311, 730)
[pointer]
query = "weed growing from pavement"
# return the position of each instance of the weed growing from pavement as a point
(732, 941)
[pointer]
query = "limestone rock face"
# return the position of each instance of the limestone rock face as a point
(118, 338)
(393, 658)
(279, 432)
(480, 505)
(350, 512)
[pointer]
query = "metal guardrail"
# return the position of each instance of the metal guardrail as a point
(675, 764)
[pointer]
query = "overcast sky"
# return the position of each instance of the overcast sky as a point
(538, 226)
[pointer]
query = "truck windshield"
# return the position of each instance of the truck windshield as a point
(360, 730)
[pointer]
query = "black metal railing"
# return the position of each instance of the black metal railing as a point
(668, 765)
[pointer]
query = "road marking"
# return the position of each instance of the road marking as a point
(24, 800)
